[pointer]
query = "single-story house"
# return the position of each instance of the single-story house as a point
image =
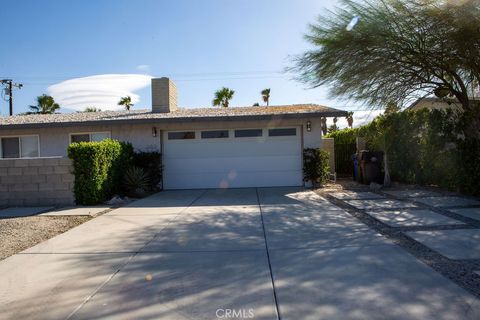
(201, 147)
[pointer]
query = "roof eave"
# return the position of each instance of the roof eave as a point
(329, 113)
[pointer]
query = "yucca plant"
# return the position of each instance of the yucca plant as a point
(136, 182)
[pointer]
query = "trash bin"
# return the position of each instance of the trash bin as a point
(370, 166)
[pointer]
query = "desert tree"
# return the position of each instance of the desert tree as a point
(378, 52)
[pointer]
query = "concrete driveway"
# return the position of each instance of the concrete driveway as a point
(226, 254)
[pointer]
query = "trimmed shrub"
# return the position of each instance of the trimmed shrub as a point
(98, 169)
(151, 163)
(315, 166)
(345, 136)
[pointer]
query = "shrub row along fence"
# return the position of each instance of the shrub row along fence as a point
(101, 170)
(429, 147)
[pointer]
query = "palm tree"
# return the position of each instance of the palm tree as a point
(256, 104)
(45, 105)
(126, 102)
(333, 127)
(323, 122)
(266, 95)
(222, 97)
(349, 118)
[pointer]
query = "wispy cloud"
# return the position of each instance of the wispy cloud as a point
(143, 68)
(101, 91)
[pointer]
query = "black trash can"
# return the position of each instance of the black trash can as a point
(370, 166)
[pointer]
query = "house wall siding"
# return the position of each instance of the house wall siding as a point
(54, 141)
(36, 182)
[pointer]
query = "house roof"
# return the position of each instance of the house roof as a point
(180, 115)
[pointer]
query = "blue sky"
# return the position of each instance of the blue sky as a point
(201, 45)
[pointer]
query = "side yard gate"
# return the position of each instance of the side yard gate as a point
(343, 158)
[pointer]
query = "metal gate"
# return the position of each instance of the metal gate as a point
(343, 158)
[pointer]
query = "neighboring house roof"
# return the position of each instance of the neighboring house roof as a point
(437, 103)
(180, 115)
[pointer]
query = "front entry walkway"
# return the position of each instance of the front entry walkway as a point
(270, 253)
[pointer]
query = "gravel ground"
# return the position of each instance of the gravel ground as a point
(18, 234)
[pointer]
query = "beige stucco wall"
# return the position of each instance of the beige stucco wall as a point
(54, 141)
(329, 146)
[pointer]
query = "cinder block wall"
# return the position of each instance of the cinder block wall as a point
(34, 182)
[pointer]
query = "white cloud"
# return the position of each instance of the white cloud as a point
(101, 91)
(143, 68)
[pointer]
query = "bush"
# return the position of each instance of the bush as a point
(151, 163)
(98, 168)
(315, 166)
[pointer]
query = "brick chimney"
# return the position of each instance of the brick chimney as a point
(164, 95)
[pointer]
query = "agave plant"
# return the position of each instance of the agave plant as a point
(136, 182)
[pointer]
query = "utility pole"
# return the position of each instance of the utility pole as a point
(10, 85)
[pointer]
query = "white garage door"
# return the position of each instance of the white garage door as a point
(232, 158)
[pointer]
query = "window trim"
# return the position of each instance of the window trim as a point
(20, 145)
(109, 133)
(282, 136)
(215, 130)
(247, 129)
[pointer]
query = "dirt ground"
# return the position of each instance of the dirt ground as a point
(18, 234)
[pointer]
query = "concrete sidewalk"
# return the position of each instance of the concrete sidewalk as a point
(197, 254)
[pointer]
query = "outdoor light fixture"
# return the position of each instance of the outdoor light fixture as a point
(154, 132)
(309, 126)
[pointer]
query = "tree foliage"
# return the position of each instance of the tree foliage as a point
(222, 97)
(126, 102)
(92, 109)
(266, 95)
(379, 51)
(45, 105)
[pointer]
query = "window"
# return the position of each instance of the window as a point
(282, 132)
(19, 147)
(214, 134)
(89, 136)
(181, 135)
(245, 133)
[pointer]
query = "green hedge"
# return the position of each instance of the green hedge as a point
(98, 168)
(316, 167)
(345, 136)
(428, 147)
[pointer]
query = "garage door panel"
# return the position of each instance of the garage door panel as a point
(241, 164)
(247, 179)
(232, 162)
